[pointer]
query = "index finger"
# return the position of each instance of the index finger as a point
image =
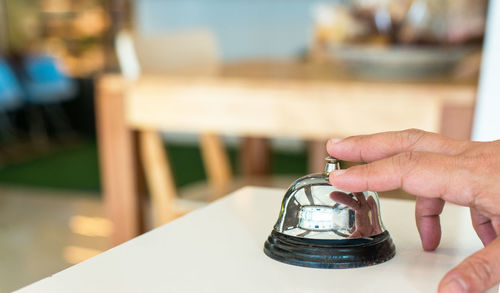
(422, 174)
(368, 148)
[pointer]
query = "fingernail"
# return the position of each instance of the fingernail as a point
(453, 286)
(336, 140)
(337, 173)
(334, 176)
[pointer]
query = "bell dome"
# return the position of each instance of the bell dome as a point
(325, 227)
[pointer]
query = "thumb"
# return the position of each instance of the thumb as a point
(477, 273)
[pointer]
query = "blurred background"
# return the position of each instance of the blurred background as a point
(69, 191)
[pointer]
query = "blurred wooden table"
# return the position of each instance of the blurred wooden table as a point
(256, 100)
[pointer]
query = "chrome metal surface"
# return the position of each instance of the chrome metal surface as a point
(312, 208)
(331, 164)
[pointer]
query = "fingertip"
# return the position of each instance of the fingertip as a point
(338, 173)
(430, 235)
(476, 273)
(334, 176)
(455, 285)
(453, 281)
(427, 211)
(330, 178)
(330, 145)
(429, 245)
(336, 140)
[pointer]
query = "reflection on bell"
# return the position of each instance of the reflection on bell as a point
(321, 226)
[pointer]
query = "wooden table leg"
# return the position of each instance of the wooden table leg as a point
(117, 163)
(255, 157)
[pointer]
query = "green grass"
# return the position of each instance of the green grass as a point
(77, 168)
(74, 167)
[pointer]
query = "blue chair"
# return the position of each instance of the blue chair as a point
(46, 87)
(10, 90)
(10, 100)
(45, 83)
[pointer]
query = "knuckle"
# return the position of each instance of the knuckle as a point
(480, 158)
(428, 207)
(407, 160)
(414, 132)
(410, 137)
(403, 164)
(476, 164)
(420, 208)
(362, 155)
(368, 171)
(478, 270)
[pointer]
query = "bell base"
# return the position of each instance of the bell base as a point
(330, 254)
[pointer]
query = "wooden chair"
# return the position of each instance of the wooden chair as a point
(185, 53)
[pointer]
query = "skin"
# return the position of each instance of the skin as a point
(366, 213)
(436, 169)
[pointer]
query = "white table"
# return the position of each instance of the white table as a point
(219, 249)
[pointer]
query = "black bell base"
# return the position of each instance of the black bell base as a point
(330, 254)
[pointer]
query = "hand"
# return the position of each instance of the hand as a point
(435, 169)
(367, 222)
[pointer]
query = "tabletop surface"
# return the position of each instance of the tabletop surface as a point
(219, 249)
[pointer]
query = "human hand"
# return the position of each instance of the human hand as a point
(367, 222)
(435, 169)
